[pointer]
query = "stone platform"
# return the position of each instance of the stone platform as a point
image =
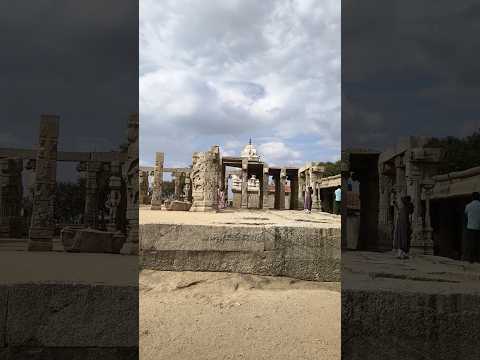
(59, 305)
(277, 243)
(426, 307)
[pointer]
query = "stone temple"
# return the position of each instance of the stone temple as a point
(260, 232)
(250, 181)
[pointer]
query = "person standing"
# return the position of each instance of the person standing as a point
(472, 214)
(307, 204)
(338, 200)
(403, 229)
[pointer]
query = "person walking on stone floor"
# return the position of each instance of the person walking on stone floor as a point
(307, 204)
(403, 228)
(337, 200)
(472, 215)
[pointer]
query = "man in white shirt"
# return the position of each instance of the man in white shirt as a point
(338, 200)
(472, 214)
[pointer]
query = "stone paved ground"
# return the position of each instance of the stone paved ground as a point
(241, 218)
(431, 274)
(217, 316)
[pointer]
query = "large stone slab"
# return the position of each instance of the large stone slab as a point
(91, 240)
(426, 307)
(203, 238)
(301, 252)
(72, 315)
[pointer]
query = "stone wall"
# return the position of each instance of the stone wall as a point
(68, 321)
(299, 252)
(409, 325)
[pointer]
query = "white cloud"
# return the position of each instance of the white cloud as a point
(218, 72)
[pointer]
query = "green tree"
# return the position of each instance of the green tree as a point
(332, 168)
(459, 153)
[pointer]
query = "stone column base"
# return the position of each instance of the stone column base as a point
(40, 239)
(129, 248)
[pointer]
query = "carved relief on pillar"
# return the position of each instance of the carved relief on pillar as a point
(42, 222)
(114, 196)
(144, 197)
(187, 189)
(157, 181)
(281, 189)
(244, 177)
(205, 175)
(11, 198)
(91, 194)
(385, 220)
(131, 176)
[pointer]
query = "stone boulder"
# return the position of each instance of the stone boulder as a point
(176, 205)
(91, 240)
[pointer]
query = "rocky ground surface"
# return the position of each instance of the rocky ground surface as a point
(198, 315)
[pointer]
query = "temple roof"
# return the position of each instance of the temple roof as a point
(250, 152)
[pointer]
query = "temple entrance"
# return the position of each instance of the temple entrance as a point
(364, 168)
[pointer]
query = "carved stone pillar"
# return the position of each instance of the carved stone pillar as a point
(187, 188)
(301, 189)
(91, 195)
(265, 191)
(385, 221)
(157, 182)
(427, 187)
(114, 197)
(178, 185)
(143, 187)
(43, 223)
(11, 198)
(244, 183)
(281, 189)
(206, 168)
(131, 175)
(413, 176)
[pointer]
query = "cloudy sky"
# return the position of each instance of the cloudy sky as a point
(220, 72)
(75, 59)
(409, 68)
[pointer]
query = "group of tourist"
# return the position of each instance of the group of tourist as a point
(403, 229)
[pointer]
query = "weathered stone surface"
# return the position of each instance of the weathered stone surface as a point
(206, 171)
(90, 240)
(75, 353)
(71, 315)
(3, 315)
(393, 325)
(252, 262)
(203, 238)
(304, 253)
(130, 171)
(42, 223)
(424, 308)
(158, 181)
(178, 205)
